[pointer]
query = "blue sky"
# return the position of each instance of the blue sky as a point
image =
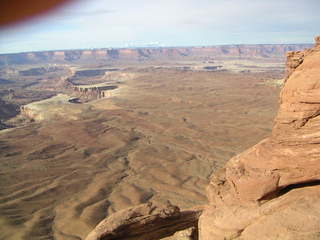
(128, 23)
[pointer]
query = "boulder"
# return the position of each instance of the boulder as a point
(145, 222)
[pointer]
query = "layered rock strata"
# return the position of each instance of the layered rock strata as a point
(146, 54)
(272, 190)
(94, 91)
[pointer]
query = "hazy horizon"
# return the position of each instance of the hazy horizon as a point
(138, 47)
(95, 24)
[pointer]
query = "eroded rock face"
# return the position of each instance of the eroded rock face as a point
(145, 222)
(271, 190)
(294, 60)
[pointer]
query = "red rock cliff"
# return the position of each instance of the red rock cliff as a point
(272, 190)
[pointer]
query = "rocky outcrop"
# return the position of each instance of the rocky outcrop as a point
(149, 54)
(294, 60)
(317, 40)
(272, 190)
(94, 91)
(145, 222)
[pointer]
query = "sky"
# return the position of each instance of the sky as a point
(87, 24)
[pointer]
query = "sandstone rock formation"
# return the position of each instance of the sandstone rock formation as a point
(272, 190)
(146, 221)
(94, 91)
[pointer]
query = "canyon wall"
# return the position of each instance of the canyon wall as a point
(148, 54)
(272, 190)
(94, 91)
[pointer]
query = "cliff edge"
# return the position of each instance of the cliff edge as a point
(272, 190)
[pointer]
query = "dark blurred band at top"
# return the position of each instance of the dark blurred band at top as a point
(17, 11)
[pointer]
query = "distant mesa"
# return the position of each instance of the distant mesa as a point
(149, 54)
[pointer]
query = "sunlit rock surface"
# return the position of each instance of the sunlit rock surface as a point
(271, 191)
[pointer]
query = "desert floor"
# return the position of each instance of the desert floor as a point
(159, 136)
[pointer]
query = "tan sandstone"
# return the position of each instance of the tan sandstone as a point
(271, 191)
(144, 222)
